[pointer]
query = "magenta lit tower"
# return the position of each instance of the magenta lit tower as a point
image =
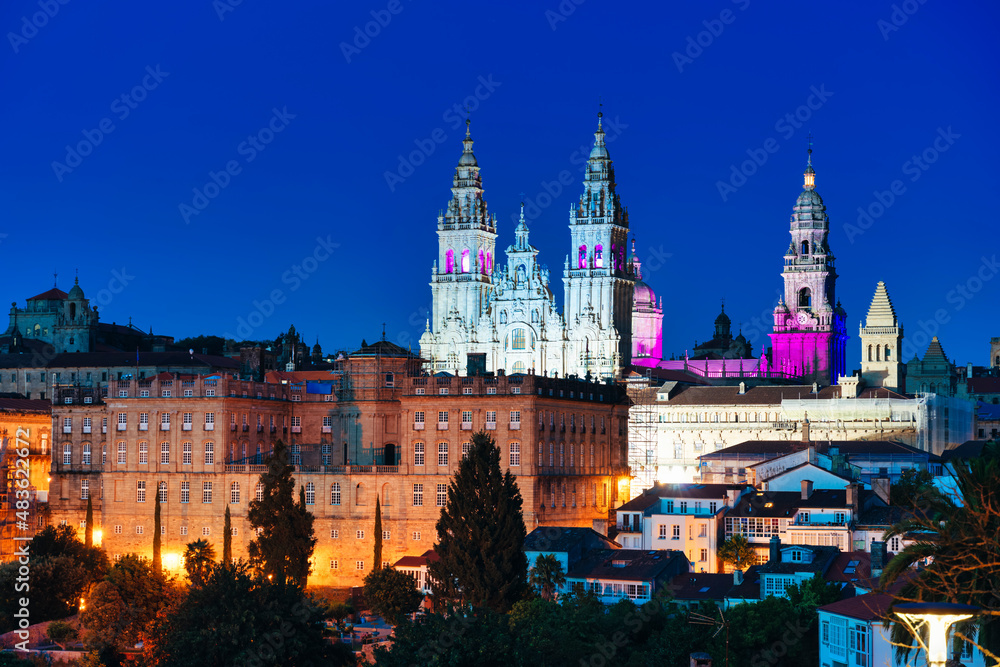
(810, 333)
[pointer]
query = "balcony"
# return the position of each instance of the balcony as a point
(296, 429)
(186, 426)
(466, 426)
(86, 429)
(143, 427)
(122, 427)
(260, 428)
(246, 427)
(232, 427)
(442, 426)
(418, 426)
(67, 429)
(363, 470)
(210, 427)
(491, 426)
(326, 429)
(164, 427)
(515, 426)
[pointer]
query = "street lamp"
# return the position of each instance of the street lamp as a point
(938, 617)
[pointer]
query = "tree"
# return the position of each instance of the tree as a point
(62, 569)
(240, 618)
(60, 633)
(913, 485)
(198, 559)
(120, 608)
(392, 594)
(737, 551)
(480, 535)
(959, 538)
(378, 535)
(89, 530)
(157, 563)
(227, 538)
(285, 542)
(547, 575)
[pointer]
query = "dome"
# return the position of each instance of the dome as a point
(76, 292)
(643, 293)
(723, 320)
(809, 197)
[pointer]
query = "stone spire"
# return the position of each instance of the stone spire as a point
(881, 313)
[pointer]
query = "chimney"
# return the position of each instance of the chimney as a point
(743, 387)
(737, 577)
(701, 659)
(775, 552)
(805, 431)
(880, 485)
(878, 558)
(852, 497)
(807, 489)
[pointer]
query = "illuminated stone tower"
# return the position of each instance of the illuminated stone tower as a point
(461, 276)
(598, 279)
(647, 320)
(882, 343)
(810, 336)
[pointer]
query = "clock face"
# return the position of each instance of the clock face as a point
(803, 317)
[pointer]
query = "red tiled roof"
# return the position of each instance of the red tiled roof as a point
(53, 294)
(867, 607)
(862, 569)
(24, 405)
(429, 556)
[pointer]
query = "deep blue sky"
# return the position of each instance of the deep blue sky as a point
(324, 174)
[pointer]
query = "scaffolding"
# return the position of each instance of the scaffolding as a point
(643, 454)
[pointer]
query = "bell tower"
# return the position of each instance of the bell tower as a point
(598, 278)
(882, 343)
(810, 336)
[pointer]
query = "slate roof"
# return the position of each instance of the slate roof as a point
(562, 538)
(823, 558)
(703, 586)
(985, 385)
(850, 567)
(969, 449)
(641, 565)
(770, 395)
(784, 504)
(25, 405)
(113, 359)
(880, 516)
(775, 448)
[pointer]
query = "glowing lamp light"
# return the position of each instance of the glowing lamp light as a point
(83, 604)
(98, 534)
(937, 617)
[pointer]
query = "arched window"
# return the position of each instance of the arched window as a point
(888, 353)
(482, 262)
(805, 298)
(465, 261)
(878, 353)
(869, 353)
(805, 247)
(582, 257)
(518, 367)
(310, 494)
(599, 256)
(72, 311)
(449, 262)
(518, 339)
(489, 262)
(359, 494)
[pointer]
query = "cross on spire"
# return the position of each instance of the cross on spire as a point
(809, 150)
(55, 279)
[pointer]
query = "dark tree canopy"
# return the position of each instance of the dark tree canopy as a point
(285, 544)
(392, 594)
(481, 534)
(198, 559)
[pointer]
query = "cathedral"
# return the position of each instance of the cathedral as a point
(490, 316)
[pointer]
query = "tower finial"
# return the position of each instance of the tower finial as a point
(468, 121)
(810, 173)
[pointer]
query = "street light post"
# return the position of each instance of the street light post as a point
(938, 617)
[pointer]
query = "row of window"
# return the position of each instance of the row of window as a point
(419, 417)
(441, 496)
(675, 533)
(572, 455)
(419, 451)
(183, 530)
(466, 391)
(207, 489)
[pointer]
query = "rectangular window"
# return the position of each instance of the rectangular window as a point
(335, 493)
(684, 507)
(164, 453)
(140, 491)
(209, 421)
(122, 421)
(442, 416)
(209, 453)
(416, 535)
(185, 492)
(84, 489)
(663, 531)
(418, 417)
(491, 417)
(466, 416)
(143, 421)
(677, 532)
(703, 556)
(118, 529)
(138, 530)
(143, 453)
(206, 492)
(418, 453)
(184, 530)
(310, 493)
(187, 420)
(515, 416)
(67, 424)
(334, 565)
(386, 535)
(67, 454)
(442, 453)
(360, 535)
(206, 531)
(418, 495)
(86, 453)
(334, 534)
(187, 453)
(515, 454)
(188, 393)
(359, 565)
(466, 446)
(442, 495)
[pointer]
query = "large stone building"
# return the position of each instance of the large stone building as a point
(504, 316)
(372, 428)
(25, 461)
(810, 335)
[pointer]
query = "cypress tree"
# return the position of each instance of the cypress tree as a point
(481, 534)
(227, 539)
(89, 533)
(378, 534)
(286, 541)
(157, 564)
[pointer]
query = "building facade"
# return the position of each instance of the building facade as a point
(25, 461)
(368, 430)
(494, 316)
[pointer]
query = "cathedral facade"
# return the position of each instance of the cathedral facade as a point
(492, 316)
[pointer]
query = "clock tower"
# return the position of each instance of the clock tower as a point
(810, 335)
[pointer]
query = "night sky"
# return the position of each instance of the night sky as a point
(321, 155)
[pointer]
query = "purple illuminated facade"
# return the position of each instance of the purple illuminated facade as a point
(810, 334)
